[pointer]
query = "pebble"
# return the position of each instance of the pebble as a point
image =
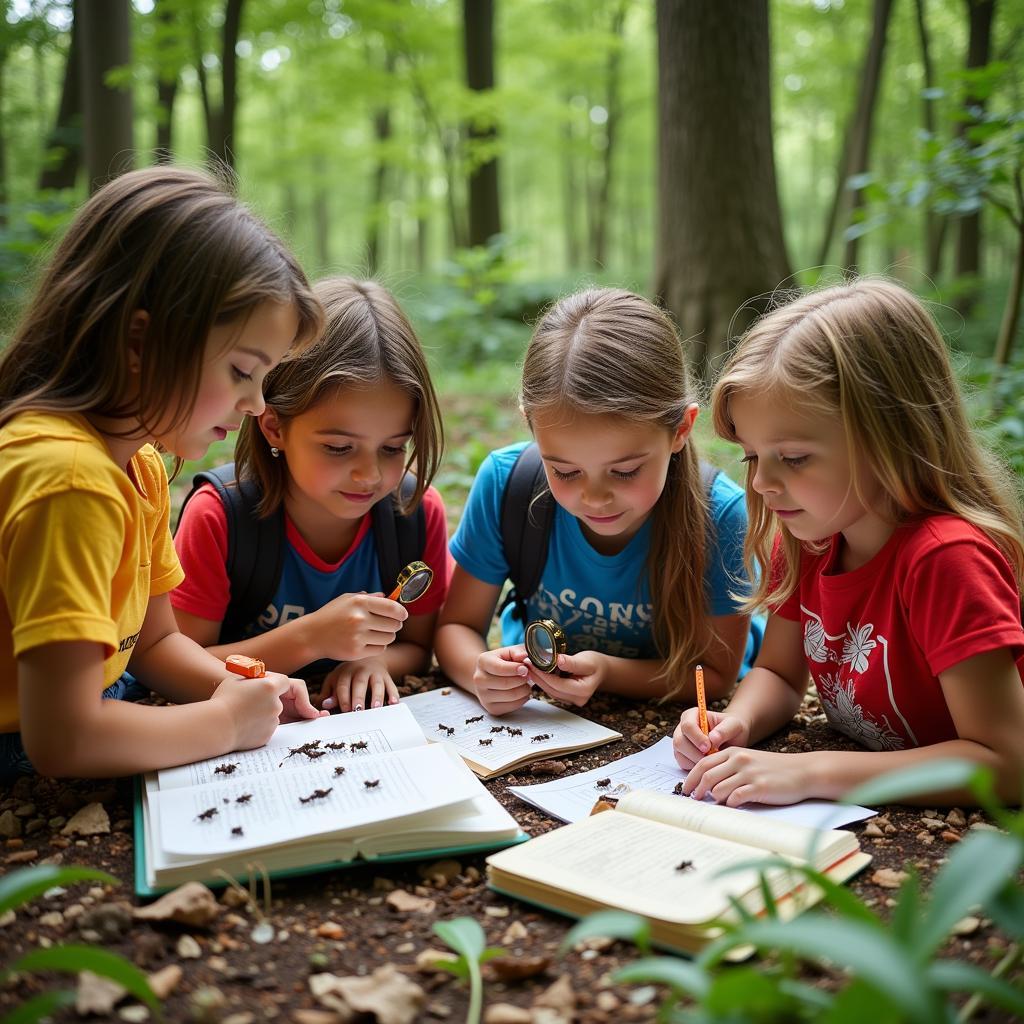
(188, 949)
(91, 820)
(506, 1013)
(956, 818)
(7, 918)
(21, 857)
(10, 826)
(330, 930)
(51, 919)
(496, 911)
(136, 1014)
(515, 932)
(165, 981)
(888, 878)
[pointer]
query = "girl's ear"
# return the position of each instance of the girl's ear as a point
(685, 427)
(270, 427)
(137, 327)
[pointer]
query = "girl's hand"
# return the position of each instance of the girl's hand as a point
(501, 680)
(689, 744)
(740, 776)
(255, 706)
(345, 686)
(587, 671)
(296, 705)
(356, 626)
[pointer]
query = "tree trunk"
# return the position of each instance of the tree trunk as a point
(1011, 311)
(934, 223)
(225, 143)
(106, 40)
(720, 243)
(375, 215)
(857, 138)
(62, 150)
(980, 15)
(570, 192)
(478, 41)
(167, 78)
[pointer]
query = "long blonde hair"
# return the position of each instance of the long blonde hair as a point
(605, 351)
(869, 352)
(366, 339)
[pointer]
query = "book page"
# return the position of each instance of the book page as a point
(339, 736)
(638, 865)
(286, 806)
(493, 742)
(571, 798)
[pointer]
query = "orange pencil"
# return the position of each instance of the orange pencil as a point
(252, 668)
(702, 705)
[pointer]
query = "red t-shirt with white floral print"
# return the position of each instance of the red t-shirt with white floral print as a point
(876, 639)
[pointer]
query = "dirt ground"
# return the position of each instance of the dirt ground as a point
(350, 924)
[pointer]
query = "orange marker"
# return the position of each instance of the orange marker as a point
(251, 668)
(702, 705)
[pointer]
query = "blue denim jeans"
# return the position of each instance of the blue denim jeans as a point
(14, 761)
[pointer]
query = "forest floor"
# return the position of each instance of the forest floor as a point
(352, 923)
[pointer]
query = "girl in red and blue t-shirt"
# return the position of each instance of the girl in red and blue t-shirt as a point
(890, 553)
(344, 422)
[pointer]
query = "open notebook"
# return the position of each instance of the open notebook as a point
(319, 795)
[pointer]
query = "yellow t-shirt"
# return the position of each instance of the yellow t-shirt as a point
(83, 545)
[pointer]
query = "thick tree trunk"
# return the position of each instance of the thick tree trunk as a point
(168, 75)
(934, 223)
(478, 40)
(62, 151)
(106, 40)
(225, 143)
(375, 215)
(980, 15)
(720, 242)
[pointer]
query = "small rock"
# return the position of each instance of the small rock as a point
(515, 932)
(449, 870)
(91, 820)
(51, 919)
(984, 826)
(315, 1017)
(165, 981)
(10, 825)
(26, 810)
(506, 1013)
(244, 1017)
(559, 997)
(7, 918)
(405, 947)
(950, 836)
(966, 925)
(206, 1004)
(330, 930)
(956, 818)
(96, 994)
(643, 995)
(872, 830)
(427, 959)
(496, 911)
(888, 878)
(135, 1014)
(404, 902)
(439, 1010)
(188, 949)
(191, 904)
(548, 768)
(607, 1001)
(110, 920)
(21, 857)
(935, 824)
(518, 968)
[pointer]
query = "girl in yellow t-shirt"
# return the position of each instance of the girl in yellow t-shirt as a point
(152, 327)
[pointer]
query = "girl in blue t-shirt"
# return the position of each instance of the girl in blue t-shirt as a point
(343, 423)
(644, 559)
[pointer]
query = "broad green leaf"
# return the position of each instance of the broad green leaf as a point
(71, 959)
(976, 870)
(742, 988)
(610, 924)
(1006, 908)
(931, 777)
(679, 975)
(905, 920)
(859, 1002)
(460, 967)
(40, 1006)
(957, 976)
(464, 935)
(21, 886)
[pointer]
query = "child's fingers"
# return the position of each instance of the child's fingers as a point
(726, 732)
(379, 688)
(391, 690)
(492, 664)
(303, 707)
(382, 608)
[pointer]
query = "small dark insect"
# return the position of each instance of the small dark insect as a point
(449, 731)
(336, 746)
(226, 800)
(445, 728)
(485, 743)
(444, 693)
(314, 754)
(243, 799)
(207, 815)
(542, 736)
(237, 831)
(478, 718)
(684, 865)
(360, 744)
(340, 770)
(227, 768)
(514, 732)
(678, 789)
(371, 783)
(305, 748)
(603, 783)
(317, 794)
(497, 728)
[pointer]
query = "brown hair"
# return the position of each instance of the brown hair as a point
(367, 339)
(167, 240)
(869, 352)
(605, 351)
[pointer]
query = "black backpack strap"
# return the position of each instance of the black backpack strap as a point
(255, 555)
(400, 539)
(527, 514)
(708, 476)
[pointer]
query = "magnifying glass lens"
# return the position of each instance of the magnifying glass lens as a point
(415, 586)
(544, 642)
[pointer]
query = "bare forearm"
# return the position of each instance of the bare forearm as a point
(285, 648)
(405, 657)
(178, 668)
(458, 647)
(765, 701)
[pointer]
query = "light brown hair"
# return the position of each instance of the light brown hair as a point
(172, 242)
(869, 352)
(610, 352)
(366, 340)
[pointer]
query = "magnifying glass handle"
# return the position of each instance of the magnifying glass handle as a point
(393, 596)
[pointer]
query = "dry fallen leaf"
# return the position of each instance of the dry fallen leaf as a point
(390, 997)
(91, 820)
(404, 902)
(190, 904)
(96, 994)
(888, 878)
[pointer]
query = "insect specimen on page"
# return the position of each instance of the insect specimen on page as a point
(371, 783)
(485, 743)
(478, 718)
(445, 693)
(340, 745)
(603, 783)
(228, 768)
(340, 770)
(243, 799)
(237, 831)
(314, 754)
(513, 732)
(317, 794)
(677, 789)
(305, 748)
(684, 865)
(360, 745)
(207, 815)
(539, 738)
(225, 801)
(497, 728)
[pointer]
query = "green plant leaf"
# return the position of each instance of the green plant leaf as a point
(460, 968)
(741, 988)
(859, 1002)
(40, 1006)
(905, 919)
(957, 976)
(931, 777)
(610, 924)
(976, 870)
(858, 947)
(71, 959)
(464, 935)
(679, 975)
(26, 884)
(1006, 908)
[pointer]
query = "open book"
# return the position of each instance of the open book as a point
(492, 746)
(320, 794)
(659, 856)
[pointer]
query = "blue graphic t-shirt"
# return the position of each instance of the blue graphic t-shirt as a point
(602, 602)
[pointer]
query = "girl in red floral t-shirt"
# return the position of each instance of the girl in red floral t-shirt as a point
(890, 552)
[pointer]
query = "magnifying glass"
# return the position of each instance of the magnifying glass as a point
(545, 641)
(412, 583)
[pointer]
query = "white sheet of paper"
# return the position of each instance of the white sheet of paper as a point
(571, 798)
(436, 708)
